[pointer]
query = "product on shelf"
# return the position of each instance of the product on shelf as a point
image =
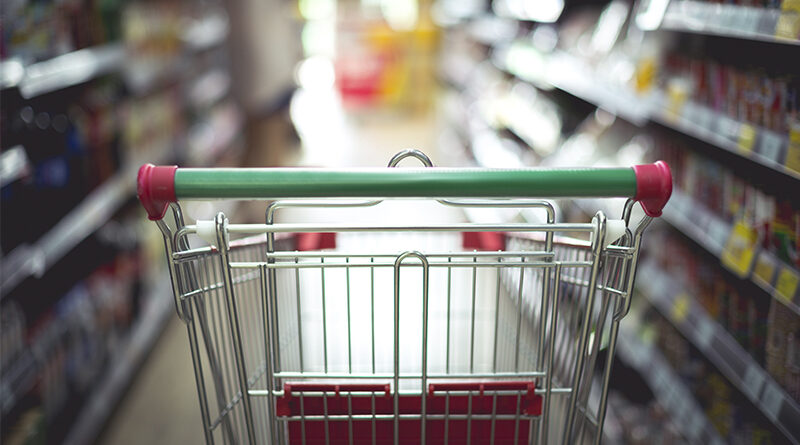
(39, 30)
(12, 333)
(152, 33)
(152, 124)
(737, 104)
(728, 410)
(57, 354)
(70, 141)
(735, 199)
(783, 348)
(746, 94)
(639, 423)
(80, 257)
(384, 57)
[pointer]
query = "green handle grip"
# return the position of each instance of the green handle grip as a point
(158, 186)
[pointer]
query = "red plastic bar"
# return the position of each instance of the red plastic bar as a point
(488, 241)
(155, 186)
(653, 187)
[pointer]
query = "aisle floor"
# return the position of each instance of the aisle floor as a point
(161, 405)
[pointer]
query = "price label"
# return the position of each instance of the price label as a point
(793, 152)
(704, 118)
(729, 128)
(791, 5)
(702, 219)
(765, 268)
(747, 138)
(739, 251)
(719, 232)
(772, 400)
(769, 18)
(677, 92)
(674, 109)
(690, 112)
(753, 380)
(746, 20)
(771, 146)
(705, 333)
(695, 425)
(786, 284)
(727, 17)
(680, 307)
(788, 26)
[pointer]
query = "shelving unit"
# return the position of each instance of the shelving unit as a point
(558, 70)
(721, 349)
(124, 363)
(741, 22)
(775, 277)
(667, 387)
(80, 66)
(83, 220)
(67, 70)
(768, 272)
(757, 144)
(195, 122)
(565, 72)
(202, 35)
(765, 147)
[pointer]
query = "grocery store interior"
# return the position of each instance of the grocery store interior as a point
(95, 347)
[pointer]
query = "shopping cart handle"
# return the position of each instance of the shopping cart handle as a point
(158, 186)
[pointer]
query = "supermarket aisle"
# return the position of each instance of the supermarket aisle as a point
(161, 405)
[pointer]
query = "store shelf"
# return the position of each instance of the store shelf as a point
(775, 277)
(717, 345)
(757, 144)
(62, 71)
(83, 65)
(14, 164)
(669, 390)
(698, 223)
(22, 374)
(80, 222)
(713, 341)
(569, 74)
(124, 364)
(778, 279)
(17, 380)
(741, 22)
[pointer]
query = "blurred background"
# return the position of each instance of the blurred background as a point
(91, 348)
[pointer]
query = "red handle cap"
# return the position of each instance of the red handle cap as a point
(155, 186)
(653, 187)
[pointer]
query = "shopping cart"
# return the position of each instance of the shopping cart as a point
(402, 333)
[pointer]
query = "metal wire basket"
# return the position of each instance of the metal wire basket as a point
(320, 333)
